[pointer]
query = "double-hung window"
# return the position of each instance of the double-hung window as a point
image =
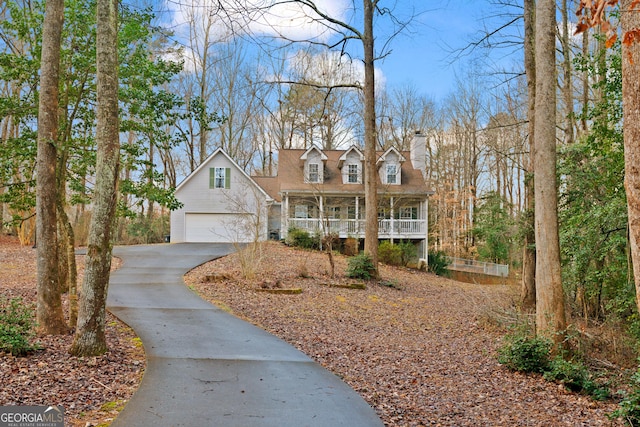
(314, 172)
(220, 178)
(392, 174)
(352, 174)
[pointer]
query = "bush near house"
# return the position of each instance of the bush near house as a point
(402, 253)
(389, 253)
(302, 239)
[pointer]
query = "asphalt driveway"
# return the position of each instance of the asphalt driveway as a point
(206, 367)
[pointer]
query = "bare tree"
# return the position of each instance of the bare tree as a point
(464, 115)
(196, 84)
(567, 76)
(248, 229)
(370, 179)
(528, 288)
(344, 32)
(401, 112)
(50, 317)
(90, 338)
(630, 22)
(550, 308)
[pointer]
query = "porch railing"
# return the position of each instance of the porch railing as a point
(355, 227)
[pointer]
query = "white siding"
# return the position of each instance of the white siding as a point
(216, 205)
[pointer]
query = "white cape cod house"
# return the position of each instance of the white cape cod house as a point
(321, 191)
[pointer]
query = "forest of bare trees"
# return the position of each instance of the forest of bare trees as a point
(195, 76)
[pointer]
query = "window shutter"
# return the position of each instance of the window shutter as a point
(212, 177)
(227, 178)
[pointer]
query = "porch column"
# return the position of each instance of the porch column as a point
(284, 217)
(321, 217)
(357, 228)
(425, 215)
(392, 220)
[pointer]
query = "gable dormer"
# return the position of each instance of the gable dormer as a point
(351, 164)
(314, 161)
(390, 166)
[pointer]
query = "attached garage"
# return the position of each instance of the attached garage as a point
(220, 203)
(216, 227)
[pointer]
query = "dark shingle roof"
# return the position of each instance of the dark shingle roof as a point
(290, 178)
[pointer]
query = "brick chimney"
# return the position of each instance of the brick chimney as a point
(418, 149)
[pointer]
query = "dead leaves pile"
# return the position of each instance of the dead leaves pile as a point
(419, 352)
(91, 390)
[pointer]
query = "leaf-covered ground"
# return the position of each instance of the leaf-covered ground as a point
(91, 390)
(421, 351)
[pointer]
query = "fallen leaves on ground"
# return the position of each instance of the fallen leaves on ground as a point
(91, 389)
(420, 349)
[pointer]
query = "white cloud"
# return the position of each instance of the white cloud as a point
(295, 21)
(274, 18)
(192, 20)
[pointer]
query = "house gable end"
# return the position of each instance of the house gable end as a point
(219, 159)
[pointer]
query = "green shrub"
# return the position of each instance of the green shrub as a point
(575, 376)
(409, 252)
(389, 253)
(360, 267)
(438, 263)
(302, 239)
(16, 327)
(629, 408)
(525, 353)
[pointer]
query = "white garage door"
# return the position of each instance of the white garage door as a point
(216, 227)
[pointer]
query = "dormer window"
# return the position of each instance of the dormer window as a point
(314, 161)
(389, 166)
(350, 164)
(314, 172)
(392, 174)
(353, 174)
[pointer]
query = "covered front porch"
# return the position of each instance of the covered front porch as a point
(401, 218)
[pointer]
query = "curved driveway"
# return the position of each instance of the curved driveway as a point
(206, 367)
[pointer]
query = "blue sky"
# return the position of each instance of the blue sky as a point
(424, 55)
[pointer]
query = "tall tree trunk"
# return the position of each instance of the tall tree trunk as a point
(371, 172)
(550, 310)
(567, 71)
(67, 261)
(90, 339)
(630, 19)
(528, 289)
(584, 126)
(49, 312)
